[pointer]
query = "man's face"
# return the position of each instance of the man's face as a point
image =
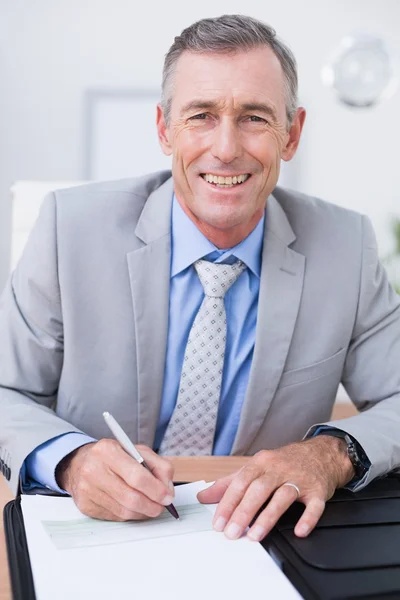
(227, 134)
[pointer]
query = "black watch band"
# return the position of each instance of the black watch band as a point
(355, 452)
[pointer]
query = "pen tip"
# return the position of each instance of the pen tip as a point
(105, 414)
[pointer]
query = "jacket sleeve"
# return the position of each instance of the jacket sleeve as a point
(371, 374)
(31, 346)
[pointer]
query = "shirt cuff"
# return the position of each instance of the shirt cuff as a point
(40, 465)
(355, 483)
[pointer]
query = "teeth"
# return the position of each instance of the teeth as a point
(219, 180)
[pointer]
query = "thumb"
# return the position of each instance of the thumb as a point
(214, 493)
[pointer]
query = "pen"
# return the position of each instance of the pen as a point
(129, 447)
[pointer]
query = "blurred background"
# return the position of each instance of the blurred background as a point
(80, 81)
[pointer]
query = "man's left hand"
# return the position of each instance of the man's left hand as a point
(316, 467)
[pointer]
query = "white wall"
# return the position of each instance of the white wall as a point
(52, 51)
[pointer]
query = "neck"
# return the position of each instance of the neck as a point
(224, 238)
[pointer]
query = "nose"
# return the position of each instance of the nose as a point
(226, 145)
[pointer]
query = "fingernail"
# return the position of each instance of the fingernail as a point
(219, 524)
(233, 531)
(171, 487)
(302, 529)
(256, 533)
(167, 500)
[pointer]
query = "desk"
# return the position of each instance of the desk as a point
(186, 469)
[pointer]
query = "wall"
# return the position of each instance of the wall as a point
(52, 51)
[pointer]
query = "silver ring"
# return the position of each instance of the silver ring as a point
(293, 485)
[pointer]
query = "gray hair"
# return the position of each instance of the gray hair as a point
(230, 33)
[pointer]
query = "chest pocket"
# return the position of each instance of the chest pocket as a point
(319, 369)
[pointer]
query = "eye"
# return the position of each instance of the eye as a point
(199, 117)
(256, 119)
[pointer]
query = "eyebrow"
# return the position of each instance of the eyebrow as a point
(209, 104)
(260, 107)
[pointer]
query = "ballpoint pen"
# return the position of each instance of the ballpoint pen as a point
(130, 448)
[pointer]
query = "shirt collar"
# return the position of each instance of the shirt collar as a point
(189, 244)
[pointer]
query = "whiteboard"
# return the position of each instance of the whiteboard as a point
(121, 135)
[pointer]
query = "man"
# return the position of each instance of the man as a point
(210, 312)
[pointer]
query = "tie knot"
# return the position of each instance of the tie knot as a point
(217, 278)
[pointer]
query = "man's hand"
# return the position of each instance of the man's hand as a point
(317, 467)
(106, 483)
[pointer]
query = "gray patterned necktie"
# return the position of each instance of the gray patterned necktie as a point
(191, 429)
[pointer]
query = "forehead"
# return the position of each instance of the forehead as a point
(237, 77)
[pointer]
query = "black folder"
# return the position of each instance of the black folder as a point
(353, 554)
(17, 551)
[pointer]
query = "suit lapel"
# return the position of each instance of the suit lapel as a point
(281, 285)
(149, 273)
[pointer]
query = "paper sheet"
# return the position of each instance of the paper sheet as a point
(155, 563)
(79, 533)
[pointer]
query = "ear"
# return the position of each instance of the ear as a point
(294, 134)
(163, 132)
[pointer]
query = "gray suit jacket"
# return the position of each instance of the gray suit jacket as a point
(84, 317)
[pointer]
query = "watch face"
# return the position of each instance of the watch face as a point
(353, 454)
(360, 71)
(359, 469)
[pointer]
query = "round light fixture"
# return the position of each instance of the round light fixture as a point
(360, 71)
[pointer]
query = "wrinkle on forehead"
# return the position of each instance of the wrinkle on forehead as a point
(230, 80)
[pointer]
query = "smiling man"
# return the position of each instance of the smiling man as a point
(227, 130)
(209, 310)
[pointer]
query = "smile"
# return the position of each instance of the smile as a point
(225, 182)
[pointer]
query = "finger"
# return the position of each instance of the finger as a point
(95, 511)
(279, 503)
(161, 467)
(88, 493)
(126, 497)
(120, 512)
(257, 493)
(134, 474)
(234, 494)
(140, 479)
(214, 493)
(107, 511)
(310, 517)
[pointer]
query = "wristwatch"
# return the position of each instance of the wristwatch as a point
(357, 457)
(355, 452)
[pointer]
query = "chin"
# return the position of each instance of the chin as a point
(221, 221)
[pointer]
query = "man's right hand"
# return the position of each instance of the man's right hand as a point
(107, 483)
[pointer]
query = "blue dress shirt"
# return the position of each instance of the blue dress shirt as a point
(188, 244)
(186, 296)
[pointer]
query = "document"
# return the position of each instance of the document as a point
(73, 556)
(79, 533)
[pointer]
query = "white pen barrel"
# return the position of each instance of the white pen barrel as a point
(121, 437)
